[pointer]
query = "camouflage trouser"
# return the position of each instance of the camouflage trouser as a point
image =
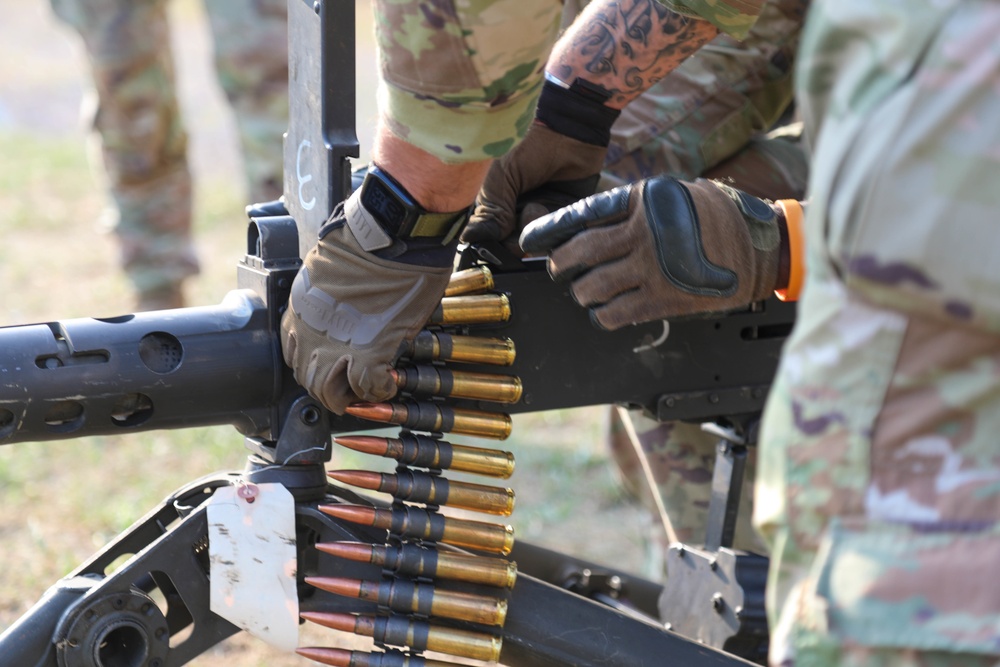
(143, 141)
(681, 459)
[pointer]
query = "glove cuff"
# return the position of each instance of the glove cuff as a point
(793, 248)
(578, 111)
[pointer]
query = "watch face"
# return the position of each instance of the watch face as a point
(385, 203)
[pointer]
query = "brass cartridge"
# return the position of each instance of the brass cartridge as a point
(426, 380)
(426, 416)
(420, 561)
(409, 596)
(427, 452)
(441, 346)
(338, 657)
(475, 309)
(420, 487)
(418, 635)
(411, 521)
(470, 281)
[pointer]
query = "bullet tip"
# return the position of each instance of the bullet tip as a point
(336, 657)
(332, 620)
(368, 444)
(364, 479)
(350, 588)
(352, 513)
(356, 551)
(377, 412)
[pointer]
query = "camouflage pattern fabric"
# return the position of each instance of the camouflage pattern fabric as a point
(731, 17)
(475, 67)
(879, 473)
(143, 140)
(722, 98)
(681, 458)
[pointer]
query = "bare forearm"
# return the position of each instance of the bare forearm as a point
(625, 46)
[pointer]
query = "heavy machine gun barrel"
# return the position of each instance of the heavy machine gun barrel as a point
(167, 369)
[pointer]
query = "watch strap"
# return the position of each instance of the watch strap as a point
(388, 205)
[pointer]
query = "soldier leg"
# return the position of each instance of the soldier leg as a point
(143, 142)
(251, 59)
(681, 459)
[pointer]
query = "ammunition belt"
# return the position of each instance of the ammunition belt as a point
(447, 580)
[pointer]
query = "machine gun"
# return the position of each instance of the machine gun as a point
(222, 365)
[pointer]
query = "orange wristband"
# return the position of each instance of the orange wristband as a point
(796, 250)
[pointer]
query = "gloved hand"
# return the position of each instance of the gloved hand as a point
(661, 248)
(558, 162)
(350, 309)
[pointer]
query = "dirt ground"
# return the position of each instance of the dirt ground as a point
(61, 501)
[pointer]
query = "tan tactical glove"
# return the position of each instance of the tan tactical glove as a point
(661, 248)
(350, 308)
(558, 162)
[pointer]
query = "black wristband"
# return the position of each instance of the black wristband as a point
(578, 112)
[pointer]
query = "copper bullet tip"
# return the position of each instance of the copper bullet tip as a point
(364, 479)
(368, 444)
(378, 412)
(356, 551)
(353, 513)
(332, 620)
(337, 657)
(350, 588)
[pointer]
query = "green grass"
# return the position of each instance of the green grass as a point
(43, 180)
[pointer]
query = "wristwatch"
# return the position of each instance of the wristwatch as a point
(399, 214)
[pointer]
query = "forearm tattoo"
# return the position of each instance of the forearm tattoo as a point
(626, 46)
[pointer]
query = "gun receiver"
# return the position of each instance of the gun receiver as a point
(222, 364)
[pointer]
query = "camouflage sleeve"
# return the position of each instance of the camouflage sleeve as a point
(474, 68)
(710, 107)
(733, 17)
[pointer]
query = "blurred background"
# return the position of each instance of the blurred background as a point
(61, 501)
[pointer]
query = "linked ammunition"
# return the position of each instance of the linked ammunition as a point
(476, 309)
(426, 416)
(470, 281)
(440, 346)
(436, 381)
(420, 598)
(411, 521)
(422, 487)
(417, 561)
(338, 657)
(419, 635)
(427, 452)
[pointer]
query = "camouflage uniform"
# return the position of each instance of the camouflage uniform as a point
(475, 68)
(143, 141)
(879, 472)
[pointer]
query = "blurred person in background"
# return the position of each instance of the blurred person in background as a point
(136, 115)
